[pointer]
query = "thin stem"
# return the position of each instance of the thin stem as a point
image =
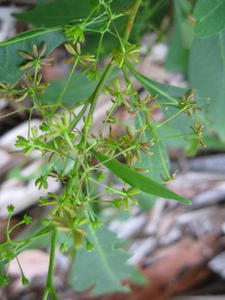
(59, 101)
(106, 186)
(131, 19)
(99, 87)
(78, 117)
(94, 99)
(110, 67)
(111, 158)
(49, 288)
(172, 117)
(177, 136)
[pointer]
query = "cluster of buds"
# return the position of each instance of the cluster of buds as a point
(138, 105)
(128, 52)
(197, 127)
(33, 83)
(188, 104)
(9, 91)
(119, 144)
(119, 95)
(37, 59)
(32, 87)
(86, 61)
(169, 178)
(74, 33)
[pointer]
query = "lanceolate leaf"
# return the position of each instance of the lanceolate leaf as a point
(24, 36)
(57, 12)
(138, 180)
(61, 12)
(210, 17)
(10, 60)
(207, 75)
(102, 268)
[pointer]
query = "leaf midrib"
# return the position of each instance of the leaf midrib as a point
(211, 11)
(103, 258)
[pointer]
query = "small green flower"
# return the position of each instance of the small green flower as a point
(37, 60)
(128, 52)
(9, 91)
(24, 280)
(10, 208)
(27, 219)
(188, 104)
(198, 131)
(32, 87)
(41, 182)
(89, 245)
(83, 60)
(120, 93)
(74, 34)
(96, 224)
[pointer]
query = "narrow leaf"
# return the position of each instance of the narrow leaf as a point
(62, 12)
(138, 180)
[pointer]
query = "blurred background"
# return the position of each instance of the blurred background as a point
(181, 249)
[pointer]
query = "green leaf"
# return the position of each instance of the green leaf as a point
(61, 12)
(74, 11)
(138, 180)
(57, 13)
(24, 36)
(152, 162)
(78, 91)
(43, 1)
(182, 37)
(207, 75)
(102, 268)
(10, 60)
(210, 17)
(213, 142)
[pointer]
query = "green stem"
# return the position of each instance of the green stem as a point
(59, 101)
(172, 117)
(94, 99)
(110, 67)
(99, 87)
(49, 288)
(177, 136)
(131, 19)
